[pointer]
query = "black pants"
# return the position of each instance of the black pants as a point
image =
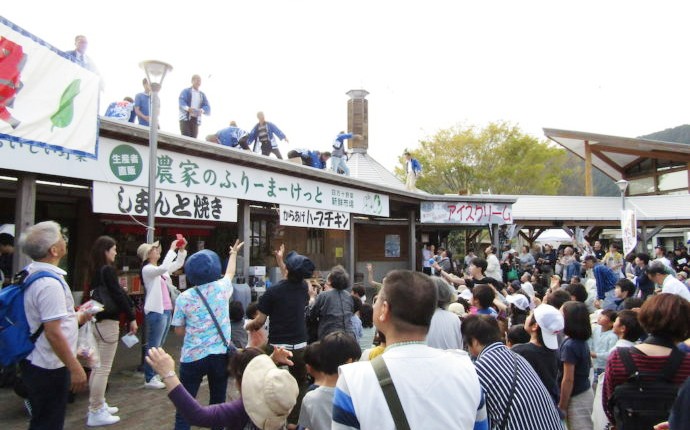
(299, 372)
(189, 127)
(295, 154)
(267, 149)
(48, 390)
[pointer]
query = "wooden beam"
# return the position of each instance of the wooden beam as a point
(527, 238)
(351, 261)
(661, 155)
(24, 215)
(589, 190)
(538, 233)
(412, 243)
(603, 157)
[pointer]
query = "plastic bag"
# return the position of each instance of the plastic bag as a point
(87, 349)
(91, 307)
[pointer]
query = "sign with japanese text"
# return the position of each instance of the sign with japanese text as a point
(47, 100)
(314, 218)
(127, 164)
(129, 200)
(466, 213)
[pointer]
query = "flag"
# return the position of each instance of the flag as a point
(629, 231)
(46, 99)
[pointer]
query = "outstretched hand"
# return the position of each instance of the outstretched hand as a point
(160, 360)
(280, 253)
(236, 247)
(282, 356)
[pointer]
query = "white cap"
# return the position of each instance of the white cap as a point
(519, 300)
(551, 323)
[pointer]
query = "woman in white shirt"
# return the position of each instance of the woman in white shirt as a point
(160, 296)
(493, 267)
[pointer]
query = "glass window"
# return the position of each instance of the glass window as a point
(641, 186)
(315, 241)
(673, 180)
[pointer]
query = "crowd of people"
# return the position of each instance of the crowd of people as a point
(323, 353)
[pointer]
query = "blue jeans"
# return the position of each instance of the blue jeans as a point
(48, 390)
(339, 162)
(215, 367)
(157, 326)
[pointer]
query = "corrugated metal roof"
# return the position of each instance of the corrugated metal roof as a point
(580, 208)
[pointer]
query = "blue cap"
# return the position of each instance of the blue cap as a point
(299, 264)
(202, 267)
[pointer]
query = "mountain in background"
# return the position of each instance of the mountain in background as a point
(680, 134)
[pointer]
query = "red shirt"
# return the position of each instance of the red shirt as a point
(616, 373)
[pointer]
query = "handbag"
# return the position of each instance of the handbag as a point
(102, 295)
(230, 346)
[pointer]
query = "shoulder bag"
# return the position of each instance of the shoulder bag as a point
(230, 346)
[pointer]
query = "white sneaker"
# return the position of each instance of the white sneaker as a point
(112, 410)
(155, 383)
(101, 418)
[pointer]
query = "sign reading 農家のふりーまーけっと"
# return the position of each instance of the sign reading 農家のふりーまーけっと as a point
(125, 163)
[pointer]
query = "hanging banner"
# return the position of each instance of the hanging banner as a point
(314, 218)
(129, 200)
(466, 213)
(46, 99)
(629, 231)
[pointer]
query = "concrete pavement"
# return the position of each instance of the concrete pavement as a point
(140, 408)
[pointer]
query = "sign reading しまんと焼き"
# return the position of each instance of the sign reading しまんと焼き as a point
(46, 99)
(466, 213)
(125, 163)
(314, 218)
(129, 200)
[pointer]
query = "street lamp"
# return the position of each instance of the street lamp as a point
(155, 73)
(622, 186)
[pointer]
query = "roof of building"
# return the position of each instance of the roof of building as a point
(580, 208)
(365, 168)
(612, 154)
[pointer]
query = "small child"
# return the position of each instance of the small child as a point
(516, 335)
(336, 349)
(602, 340)
(237, 332)
(483, 298)
(312, 360)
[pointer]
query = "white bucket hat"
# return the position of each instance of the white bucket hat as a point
(268, 393)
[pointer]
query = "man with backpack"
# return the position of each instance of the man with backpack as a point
(51, 369)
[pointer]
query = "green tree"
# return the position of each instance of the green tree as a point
(499, 157)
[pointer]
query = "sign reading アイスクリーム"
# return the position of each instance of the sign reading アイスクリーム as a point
(123, 163)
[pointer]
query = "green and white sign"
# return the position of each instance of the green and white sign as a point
(124, 163)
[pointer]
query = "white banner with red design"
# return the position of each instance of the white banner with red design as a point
(46, 99)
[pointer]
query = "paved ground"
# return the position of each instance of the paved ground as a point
(140, 408)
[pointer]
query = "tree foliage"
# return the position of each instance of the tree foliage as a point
(499, 157)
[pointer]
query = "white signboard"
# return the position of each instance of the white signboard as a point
(466, 213)
(125, 163)
(129, 200)
(629, 229)
(314, 218)
(47, 100)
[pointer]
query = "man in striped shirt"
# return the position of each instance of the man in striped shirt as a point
(515, 396)
(425, 378)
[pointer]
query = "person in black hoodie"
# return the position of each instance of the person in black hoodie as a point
(104, 286)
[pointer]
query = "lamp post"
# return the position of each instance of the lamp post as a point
(155, 73)
(622, 186)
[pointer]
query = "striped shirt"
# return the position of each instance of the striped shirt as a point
(616, 373)
(532, 406)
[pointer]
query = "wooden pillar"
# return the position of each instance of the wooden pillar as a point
(350, 261)
(412, 240)
(24, 215)
(589, 191)
(244, 232)
(642, 240)
(495, 237)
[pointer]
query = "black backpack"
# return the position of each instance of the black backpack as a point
(646, 398)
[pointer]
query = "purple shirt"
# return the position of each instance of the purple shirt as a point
(230, 414)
